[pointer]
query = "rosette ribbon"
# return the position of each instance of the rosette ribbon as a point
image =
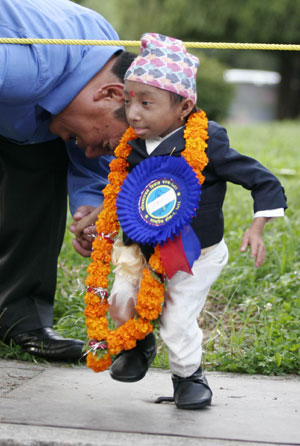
(156, 204)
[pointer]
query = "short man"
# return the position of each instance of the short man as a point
(51, 96)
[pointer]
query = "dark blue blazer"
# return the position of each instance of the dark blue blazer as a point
(225, 164)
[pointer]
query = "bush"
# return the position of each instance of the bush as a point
(214, 94)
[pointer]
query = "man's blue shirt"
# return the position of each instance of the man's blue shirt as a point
(39, 81)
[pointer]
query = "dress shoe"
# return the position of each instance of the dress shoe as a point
(132, 365)
(46, 343)
(192, 392)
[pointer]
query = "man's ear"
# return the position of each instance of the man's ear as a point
(110, 92)
(187, 106)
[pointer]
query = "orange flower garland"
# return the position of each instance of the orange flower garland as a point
(105, 342)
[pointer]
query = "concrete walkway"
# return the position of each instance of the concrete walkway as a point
(63, 405)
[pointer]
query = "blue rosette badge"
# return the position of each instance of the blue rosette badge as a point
(156, 204)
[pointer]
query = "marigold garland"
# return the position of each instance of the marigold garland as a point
(105, 342)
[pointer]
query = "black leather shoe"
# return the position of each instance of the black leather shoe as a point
(132, 365)
(46, 343)
(192, 392)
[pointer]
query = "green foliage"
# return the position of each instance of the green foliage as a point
(215, 20)
(214, 94)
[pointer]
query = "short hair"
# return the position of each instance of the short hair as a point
(177, 98)
(123, 60)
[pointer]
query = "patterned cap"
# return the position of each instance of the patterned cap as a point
(164, 63)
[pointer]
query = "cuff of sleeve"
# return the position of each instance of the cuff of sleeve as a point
(270, 213)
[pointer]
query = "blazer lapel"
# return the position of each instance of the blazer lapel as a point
(138, 152)
(173, 145)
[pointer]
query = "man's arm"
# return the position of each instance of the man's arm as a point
(266, 190)
(86, 179)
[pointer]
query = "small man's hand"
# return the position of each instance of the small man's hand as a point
(80, 213)
(83, 226)
(253, 239)
(83, 247)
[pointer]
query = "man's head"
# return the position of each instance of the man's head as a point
(154, 112)
(95, 118)
(160, 86)
(164, 63)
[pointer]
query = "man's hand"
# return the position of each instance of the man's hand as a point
(83, 226)
(253, 238)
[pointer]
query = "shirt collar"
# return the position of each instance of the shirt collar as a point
(151, 144)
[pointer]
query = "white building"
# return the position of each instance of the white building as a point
(255, 96)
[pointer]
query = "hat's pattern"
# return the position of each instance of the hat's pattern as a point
(164, 63)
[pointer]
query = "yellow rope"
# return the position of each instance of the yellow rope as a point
(136, 43)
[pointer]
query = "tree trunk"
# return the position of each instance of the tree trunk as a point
(289, 88)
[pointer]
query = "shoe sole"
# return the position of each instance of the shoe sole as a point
(72, 354)
(194, 406)
(128, 380)
(136, 378)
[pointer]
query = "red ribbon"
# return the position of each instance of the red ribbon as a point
(173, 257)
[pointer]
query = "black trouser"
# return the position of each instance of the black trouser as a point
(33, 196)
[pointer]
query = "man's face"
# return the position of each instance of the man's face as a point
(149, 110)
(92, 124)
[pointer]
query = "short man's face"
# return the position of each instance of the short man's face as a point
(95, 129)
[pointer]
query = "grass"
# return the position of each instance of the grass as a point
(251, 318)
